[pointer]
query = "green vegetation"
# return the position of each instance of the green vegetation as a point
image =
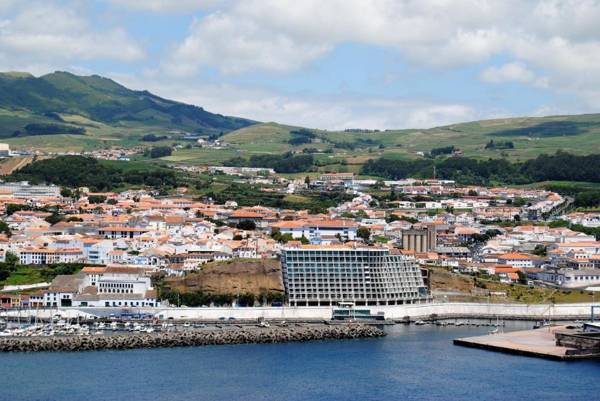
(462, 283)
(446, 150)
(79, 171)
(595, 231)
(547, 129)
(153, 138)
(5, 229)
(301, 136)
(49, 129)
(364, 233)
(16, 274)
(251, 195)
(286, 163)
(499, 145)
(560, 166)
(158, 151)
(516, 139)
(33, 106)
(62, 111)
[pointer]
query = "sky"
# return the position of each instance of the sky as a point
(332, 64)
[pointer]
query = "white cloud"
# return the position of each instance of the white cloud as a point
(517, 72)
(559, 39)
(280, 35)
(46, 34)
(174, 6)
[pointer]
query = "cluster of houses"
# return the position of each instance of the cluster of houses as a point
(126, 237)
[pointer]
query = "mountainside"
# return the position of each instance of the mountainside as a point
(64, 103)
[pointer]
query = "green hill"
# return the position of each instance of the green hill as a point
(64, 103)
(528, 137)
(63, 111)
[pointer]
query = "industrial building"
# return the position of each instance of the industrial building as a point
(420, 239)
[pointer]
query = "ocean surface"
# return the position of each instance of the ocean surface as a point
(411, 363)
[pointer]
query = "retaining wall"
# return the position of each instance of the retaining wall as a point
(416, 311)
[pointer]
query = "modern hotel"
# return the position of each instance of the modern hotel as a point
(317, 275)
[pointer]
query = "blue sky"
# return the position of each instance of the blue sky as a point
(324, 63)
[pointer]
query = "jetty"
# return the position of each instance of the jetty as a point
(188, 338)
(550, 342)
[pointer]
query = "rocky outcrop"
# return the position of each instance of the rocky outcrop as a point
(187, 338)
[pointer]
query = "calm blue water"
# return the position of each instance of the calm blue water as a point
(411, 363)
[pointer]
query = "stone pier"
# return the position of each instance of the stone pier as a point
(188, 338)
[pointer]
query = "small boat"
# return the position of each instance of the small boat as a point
(264, 324)
(420, 323)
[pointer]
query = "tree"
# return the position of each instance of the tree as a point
(246, 299)
(66, 193)
(54, 218)
(4, 273)
(364, 233)
(11, 260)
(13, 207)
(540, 250)
(4, 228)
(93, 199)
(247, 225)
(391, 218)
(158, 151)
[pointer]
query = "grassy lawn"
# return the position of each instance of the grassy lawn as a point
(24, 275)
(297, 199)
(537, 295)
(201, 156)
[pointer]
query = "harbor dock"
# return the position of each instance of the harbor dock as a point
(546, 342)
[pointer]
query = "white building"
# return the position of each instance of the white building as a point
(102, 287)
(579, 278)
(319, 231)
(24, 190)
(44, 256)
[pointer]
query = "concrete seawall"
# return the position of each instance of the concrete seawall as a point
(398, 312)
(187, 338)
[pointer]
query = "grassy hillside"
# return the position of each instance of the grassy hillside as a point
(62, 103)
(62, 111)
(579, 134)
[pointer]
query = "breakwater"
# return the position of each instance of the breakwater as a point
(187, 338)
